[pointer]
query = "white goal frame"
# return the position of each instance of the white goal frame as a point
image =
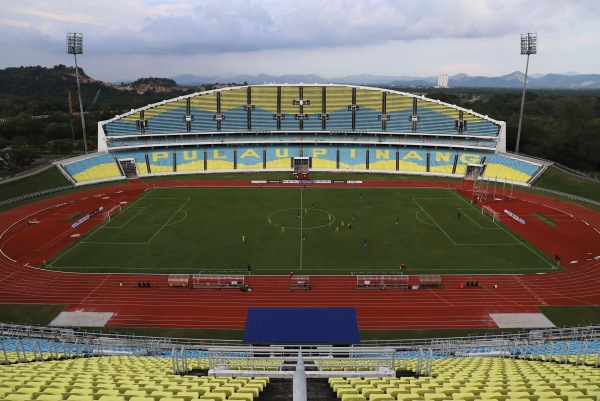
(494, 214)
(108, 216)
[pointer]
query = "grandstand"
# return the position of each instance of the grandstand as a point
(55, 364)
(337, 127)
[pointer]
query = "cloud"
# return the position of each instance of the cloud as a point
(223, 26)
(214, 33)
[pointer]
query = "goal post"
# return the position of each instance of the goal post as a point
(299, 282)
(491, 212)
(113, 212)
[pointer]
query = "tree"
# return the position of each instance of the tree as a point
(62, 146)
(13, 159)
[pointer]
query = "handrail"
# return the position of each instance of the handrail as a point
(566, 195)
(101, 344)
(34, 195)
(6, 361)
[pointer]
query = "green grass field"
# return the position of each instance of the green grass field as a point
(192, 230)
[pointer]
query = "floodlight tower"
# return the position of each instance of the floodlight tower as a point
(528, 46)
(75, 47)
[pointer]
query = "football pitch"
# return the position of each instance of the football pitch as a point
(305, 230)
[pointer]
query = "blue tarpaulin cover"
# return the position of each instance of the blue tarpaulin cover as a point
(301, 326)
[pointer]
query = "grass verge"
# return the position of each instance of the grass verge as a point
(545, 219)
(571, 315)
(556, 180)
(29, 314)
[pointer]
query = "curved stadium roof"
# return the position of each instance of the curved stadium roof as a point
(304, 109)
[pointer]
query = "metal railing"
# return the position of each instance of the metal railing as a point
(34, 195)
(566, 195)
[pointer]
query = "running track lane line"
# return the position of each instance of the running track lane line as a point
(530, 290)
(94, 290)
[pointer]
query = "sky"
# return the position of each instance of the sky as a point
(129, 39)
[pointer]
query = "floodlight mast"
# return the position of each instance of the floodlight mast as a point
(75, 47)
(528, 47)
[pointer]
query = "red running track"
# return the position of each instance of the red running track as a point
(23, 250)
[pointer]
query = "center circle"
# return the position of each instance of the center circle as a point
(296, 218)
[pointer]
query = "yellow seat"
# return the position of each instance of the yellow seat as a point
(214, 396)
(139, 398)
(157, 395)
(80, 397)
(188, 395)
(395, 391)
(435, 397)
(241, 397)
(225, 390)
(368, 391)
(17, 397)
(353, 397)
(338, 384)
(177, 388)
(134, 393)
(49, 397)
(381, 397)
(346, 390)
(168, 399)
(573, 394)
(27, 389)
(464, 396)
(495, 395)
(408, 397)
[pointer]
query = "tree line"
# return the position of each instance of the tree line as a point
(562, 126)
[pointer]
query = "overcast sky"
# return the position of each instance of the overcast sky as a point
(129, 39)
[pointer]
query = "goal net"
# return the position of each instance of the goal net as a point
(113, 212)
(299, 282)
(491, 212)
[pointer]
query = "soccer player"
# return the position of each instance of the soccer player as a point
(243, 238)
(282, 229)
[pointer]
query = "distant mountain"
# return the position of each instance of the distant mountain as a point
(515, 80)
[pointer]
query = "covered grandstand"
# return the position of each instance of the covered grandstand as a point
(339, 128)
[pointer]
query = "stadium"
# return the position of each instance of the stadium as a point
(255, 208)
